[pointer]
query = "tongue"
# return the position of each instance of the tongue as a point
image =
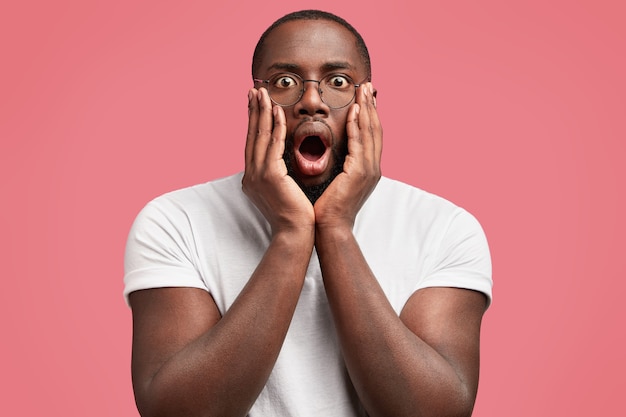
(312, 148)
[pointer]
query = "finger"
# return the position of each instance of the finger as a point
(352, 127)
(377, 129)
(264, 127)
(363, 119)
(253, 120)
(370, 126)
(276, 147)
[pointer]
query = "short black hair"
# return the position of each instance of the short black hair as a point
(312, 15)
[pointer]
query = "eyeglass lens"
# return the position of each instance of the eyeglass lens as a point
(335, 90)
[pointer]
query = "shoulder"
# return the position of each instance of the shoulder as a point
(450, 240)
(393, 198)
(198, 211)
(229, 186)
(428, 211)
(197, 199)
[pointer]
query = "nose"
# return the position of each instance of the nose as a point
(311, 101)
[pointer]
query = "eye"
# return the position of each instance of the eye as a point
(285, 81)
(339, 82)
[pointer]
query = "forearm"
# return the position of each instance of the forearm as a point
(223, 370)
(395, 372)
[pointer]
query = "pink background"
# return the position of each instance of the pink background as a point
(514, 111)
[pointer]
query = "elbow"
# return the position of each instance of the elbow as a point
(170, 403)
(462, 406)
(450, 410)
(151, 403)
(459, 404)
(145, 405)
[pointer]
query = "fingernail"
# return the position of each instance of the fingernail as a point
(249, 96)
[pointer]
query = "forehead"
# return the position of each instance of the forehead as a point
(311, 45)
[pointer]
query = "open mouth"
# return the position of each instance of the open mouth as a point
(312, 148)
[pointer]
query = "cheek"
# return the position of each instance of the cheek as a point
(338, 126)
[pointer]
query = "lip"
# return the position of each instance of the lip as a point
(312, 166)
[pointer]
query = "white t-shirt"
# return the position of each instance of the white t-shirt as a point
(210, 236)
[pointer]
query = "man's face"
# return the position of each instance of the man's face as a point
(316, 142)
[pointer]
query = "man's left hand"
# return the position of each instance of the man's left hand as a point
(342, 200)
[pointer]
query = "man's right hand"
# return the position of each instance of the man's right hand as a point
(265, 181)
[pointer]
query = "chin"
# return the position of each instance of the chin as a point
(317, 180)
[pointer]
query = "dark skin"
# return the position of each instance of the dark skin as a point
(188, 360)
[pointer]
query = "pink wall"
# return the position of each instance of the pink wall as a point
(516, 112)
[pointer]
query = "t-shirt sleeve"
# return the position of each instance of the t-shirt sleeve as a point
(159, 250)
(462, 259)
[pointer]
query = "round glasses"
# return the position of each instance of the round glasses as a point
(286, 89)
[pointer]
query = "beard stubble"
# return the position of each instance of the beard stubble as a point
(313, 192)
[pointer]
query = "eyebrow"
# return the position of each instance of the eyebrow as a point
(328, 66)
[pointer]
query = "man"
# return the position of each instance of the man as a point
(317, 288)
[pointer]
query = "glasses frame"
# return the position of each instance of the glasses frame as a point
(319, 89)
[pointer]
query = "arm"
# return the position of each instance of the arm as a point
(424, 362)
(189, 361)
